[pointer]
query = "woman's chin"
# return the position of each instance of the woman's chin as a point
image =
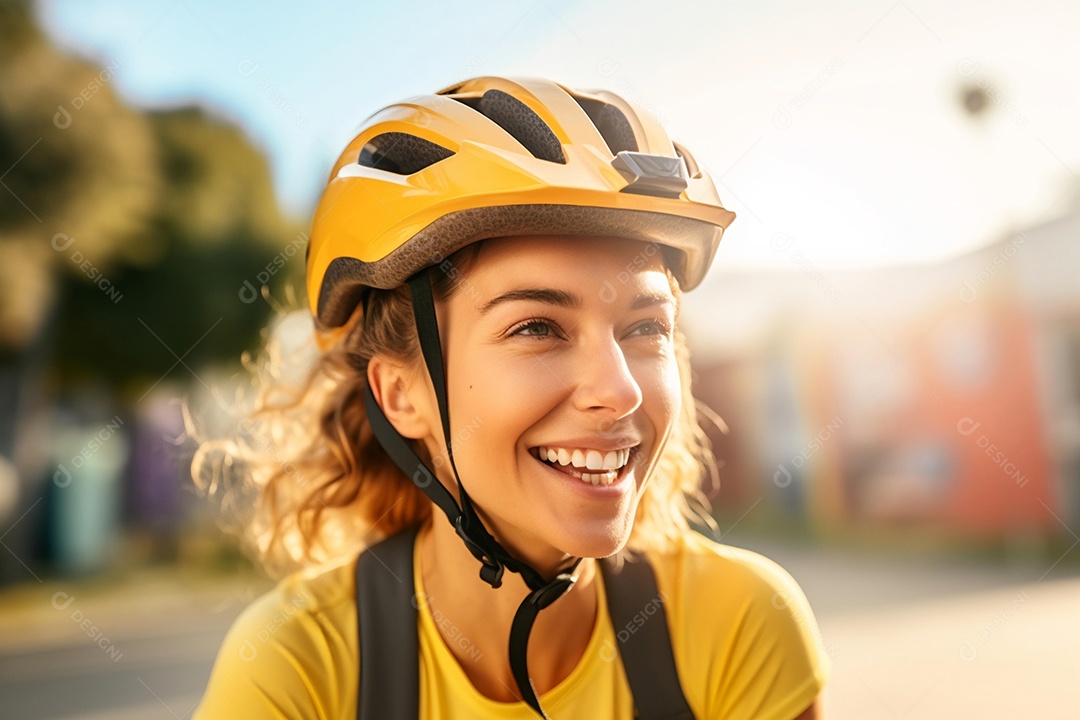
(599, 543)
(546, 547)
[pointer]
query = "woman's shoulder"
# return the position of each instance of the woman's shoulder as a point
(292, 648)
(319, 590)
(700, 564)
(744, 635)
(736, 590)
(314, 605)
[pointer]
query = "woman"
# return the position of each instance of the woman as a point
(495, 274)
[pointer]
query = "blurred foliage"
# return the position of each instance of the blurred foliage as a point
(93, 178)
(217, 226)
(122, 224)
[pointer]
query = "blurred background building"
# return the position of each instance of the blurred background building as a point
(939, 399)
(891, 334)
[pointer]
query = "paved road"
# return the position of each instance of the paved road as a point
(141, 649)
(917, 639)
(157, 676)
(909, 639)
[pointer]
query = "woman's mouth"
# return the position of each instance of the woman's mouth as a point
(594, 467)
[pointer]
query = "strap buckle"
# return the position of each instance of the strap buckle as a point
(492, 570)
(554, 590)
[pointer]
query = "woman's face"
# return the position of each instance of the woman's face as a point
(561, 346)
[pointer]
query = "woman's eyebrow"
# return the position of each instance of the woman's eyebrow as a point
(561, 298)
(544, 295)
(651, 299)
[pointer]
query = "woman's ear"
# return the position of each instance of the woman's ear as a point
(397, 392)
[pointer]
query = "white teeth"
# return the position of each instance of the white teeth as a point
(591, 466)
(600, 478)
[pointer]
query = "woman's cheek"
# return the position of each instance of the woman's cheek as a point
(659, 378)
(675, 384)
(669, 391)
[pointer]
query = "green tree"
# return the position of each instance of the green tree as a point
(124, 224)
(74, 161)
(216, 225)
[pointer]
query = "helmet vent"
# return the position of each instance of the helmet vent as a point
(401, 153)
(521, 122)
(611, 123)
(691, 164)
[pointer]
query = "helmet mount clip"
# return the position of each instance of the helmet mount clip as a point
(657, 175)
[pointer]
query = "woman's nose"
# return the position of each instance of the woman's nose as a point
(604, 380)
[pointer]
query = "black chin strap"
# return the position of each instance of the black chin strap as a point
(493, 557)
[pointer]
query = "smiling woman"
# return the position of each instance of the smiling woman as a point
(597, 382)
(495, 274)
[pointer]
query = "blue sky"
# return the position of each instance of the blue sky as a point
(299, 78)
(836, 124)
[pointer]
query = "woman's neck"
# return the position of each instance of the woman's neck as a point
(483, 616)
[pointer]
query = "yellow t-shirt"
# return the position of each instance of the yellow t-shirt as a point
(745, 641)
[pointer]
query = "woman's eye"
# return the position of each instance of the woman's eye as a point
(538, 328)
(653, 327)
(535, 328)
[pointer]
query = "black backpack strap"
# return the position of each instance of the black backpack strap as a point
(389, 687)
(641, 629)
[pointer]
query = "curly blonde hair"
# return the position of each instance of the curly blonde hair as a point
(303, 480)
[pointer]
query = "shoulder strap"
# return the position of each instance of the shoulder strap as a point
(389, 686)
(637, 614)
(389, 646)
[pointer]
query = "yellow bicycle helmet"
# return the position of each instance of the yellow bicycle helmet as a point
(492, 157)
